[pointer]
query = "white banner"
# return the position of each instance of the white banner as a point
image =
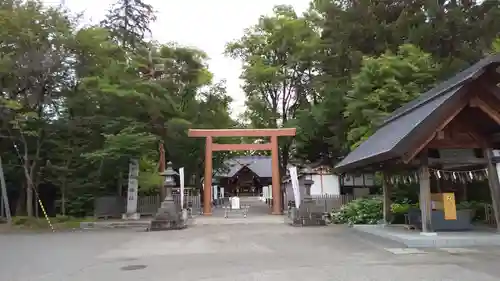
(295, 185)
(181, 176)
(215, 192)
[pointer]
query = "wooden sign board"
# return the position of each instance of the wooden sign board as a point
(450, 208)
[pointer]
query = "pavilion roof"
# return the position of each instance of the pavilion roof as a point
(404, 127)
(260, 165)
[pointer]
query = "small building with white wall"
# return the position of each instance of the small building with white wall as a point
(325, 181)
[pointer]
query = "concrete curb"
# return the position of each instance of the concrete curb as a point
(441, 240)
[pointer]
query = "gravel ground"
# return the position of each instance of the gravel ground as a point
(235, 252)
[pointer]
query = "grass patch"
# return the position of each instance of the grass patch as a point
(58, 222)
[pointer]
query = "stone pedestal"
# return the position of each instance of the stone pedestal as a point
(133, 216)
(308, 214)
(169, 217)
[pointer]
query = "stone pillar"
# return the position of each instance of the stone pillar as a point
(133, 174)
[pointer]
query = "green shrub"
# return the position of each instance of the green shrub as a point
(29, 222)
(61, 218)
(398, 208)
(470, 205)
(360, 211)
(398, 211)
(20, 220)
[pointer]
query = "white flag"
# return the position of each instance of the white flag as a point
(295, 185)
(215, 192)
(181, 175)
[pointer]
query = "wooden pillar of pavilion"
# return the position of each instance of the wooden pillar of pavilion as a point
(425, 193)
(494, 185)
(387, 192)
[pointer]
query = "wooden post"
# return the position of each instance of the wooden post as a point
(276, 176)
(207, 186)
(425, 194)
(386, 191)
(494, 185)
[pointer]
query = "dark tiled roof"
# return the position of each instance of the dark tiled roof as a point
(390, 140)
(260, 165)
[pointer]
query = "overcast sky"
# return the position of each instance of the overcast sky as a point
(205, 24)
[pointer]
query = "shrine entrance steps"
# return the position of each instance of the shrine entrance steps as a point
(249, 205)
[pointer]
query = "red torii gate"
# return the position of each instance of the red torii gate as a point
(210, 147)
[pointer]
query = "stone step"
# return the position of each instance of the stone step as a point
(115, 224)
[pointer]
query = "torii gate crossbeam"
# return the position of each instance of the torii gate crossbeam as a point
(210, 147)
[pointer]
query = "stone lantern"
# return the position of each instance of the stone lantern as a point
(169, 182)
(308, 213)
(307, 181)
(169, 215)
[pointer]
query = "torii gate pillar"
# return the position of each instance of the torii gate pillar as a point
(273, 134)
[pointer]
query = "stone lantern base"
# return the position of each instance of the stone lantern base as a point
(169, 217)
(308, 214)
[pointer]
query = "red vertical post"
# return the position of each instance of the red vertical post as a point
(207, 186)
(276, 176)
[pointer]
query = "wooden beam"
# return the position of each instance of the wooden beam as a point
(436, 144)
(410, 155)
(241, 146)
(451, 161)
(285, 132)
(460, 133)
(493, 89)
(486, 108)
(475, 134)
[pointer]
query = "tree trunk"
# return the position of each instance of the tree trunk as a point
(29, 189)
(21, 201)
(119, 184)
(197, 181)
(63, 199)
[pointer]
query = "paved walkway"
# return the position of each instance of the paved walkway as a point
(258, 213)
(235, 253)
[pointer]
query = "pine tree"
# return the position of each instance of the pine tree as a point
(128, 22)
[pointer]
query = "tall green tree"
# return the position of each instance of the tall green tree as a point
(278, 69)
(129, 22)
(78, 103)
(455, 33)
(34, 68)
(384, 84)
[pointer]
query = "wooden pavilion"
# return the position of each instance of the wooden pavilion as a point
(245, 175)
(462, 113)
